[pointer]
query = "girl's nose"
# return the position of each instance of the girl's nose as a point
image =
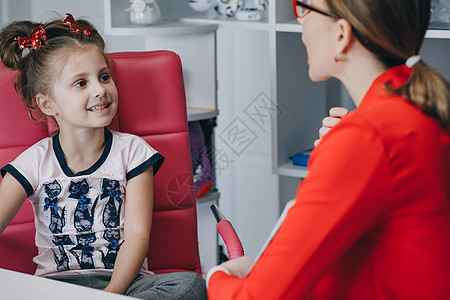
(300, 20)
(99, 90)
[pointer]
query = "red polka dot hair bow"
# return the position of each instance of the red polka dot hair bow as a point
(34, 40)
(76, 27)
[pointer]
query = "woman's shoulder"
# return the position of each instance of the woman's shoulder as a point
(380, 106)
(394, 118)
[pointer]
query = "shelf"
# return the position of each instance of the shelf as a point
(117, 23)
(437, 34)
(212, 196)
(293, 26)
(167, 27)
(195, 114)
(293, 171)
(224, 21)
(289, 26)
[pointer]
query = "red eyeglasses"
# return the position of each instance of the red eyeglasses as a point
(302, 8)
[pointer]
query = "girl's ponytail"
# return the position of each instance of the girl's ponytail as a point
(10, 53)
(12, 57)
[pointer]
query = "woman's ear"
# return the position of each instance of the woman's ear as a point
(45, 105)
(344, 36)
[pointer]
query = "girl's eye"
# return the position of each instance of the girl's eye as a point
(80, 83)
(105, 77)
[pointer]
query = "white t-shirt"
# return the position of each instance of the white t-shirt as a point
(79, 217)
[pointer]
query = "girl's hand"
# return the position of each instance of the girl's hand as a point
(239, 266)
(336, 113)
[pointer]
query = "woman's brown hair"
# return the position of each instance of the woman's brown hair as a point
(35, 69)
(394, 30)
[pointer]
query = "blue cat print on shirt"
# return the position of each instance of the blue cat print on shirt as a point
(111, 220)
(84, 258)
(57, 221)
(56, 225)
(61, 258)
(83, 219)
(111, 214)
(109, 258)
(83, 222)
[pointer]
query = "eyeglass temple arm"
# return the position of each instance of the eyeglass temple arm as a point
(300, 3)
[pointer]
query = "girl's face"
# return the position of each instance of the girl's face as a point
(84, 94)
(316, 37)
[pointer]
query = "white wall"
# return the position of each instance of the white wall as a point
(249, 191)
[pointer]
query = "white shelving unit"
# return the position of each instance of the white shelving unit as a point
(302, 103)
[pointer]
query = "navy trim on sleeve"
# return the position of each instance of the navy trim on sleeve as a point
(3, 171)
(156, 161)
(19, 177)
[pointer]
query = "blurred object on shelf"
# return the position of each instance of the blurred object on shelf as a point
(301, 158)
(243, 10)
(201, 165)
(440, 14)
(252, 10)
(144, 12)
(202, 5)
(229, 8)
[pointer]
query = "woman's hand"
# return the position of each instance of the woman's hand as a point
(239, 266)
(336, 113)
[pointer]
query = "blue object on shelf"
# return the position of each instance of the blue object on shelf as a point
(301, 158)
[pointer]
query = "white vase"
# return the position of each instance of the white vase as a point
(144, 12)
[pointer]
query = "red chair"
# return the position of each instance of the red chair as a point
(151, 105)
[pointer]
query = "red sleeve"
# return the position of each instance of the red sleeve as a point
(343, 196)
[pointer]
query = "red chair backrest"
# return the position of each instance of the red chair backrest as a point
(151, 105)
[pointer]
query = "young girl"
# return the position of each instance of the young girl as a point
(84, 180)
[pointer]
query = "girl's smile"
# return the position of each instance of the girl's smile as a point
(100, 108)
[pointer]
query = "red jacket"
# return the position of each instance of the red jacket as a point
(372, 218)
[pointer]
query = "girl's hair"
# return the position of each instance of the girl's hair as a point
(36, 70)
(394, 30)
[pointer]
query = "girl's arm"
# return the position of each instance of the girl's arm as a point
(138, 222)
(12, 196)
